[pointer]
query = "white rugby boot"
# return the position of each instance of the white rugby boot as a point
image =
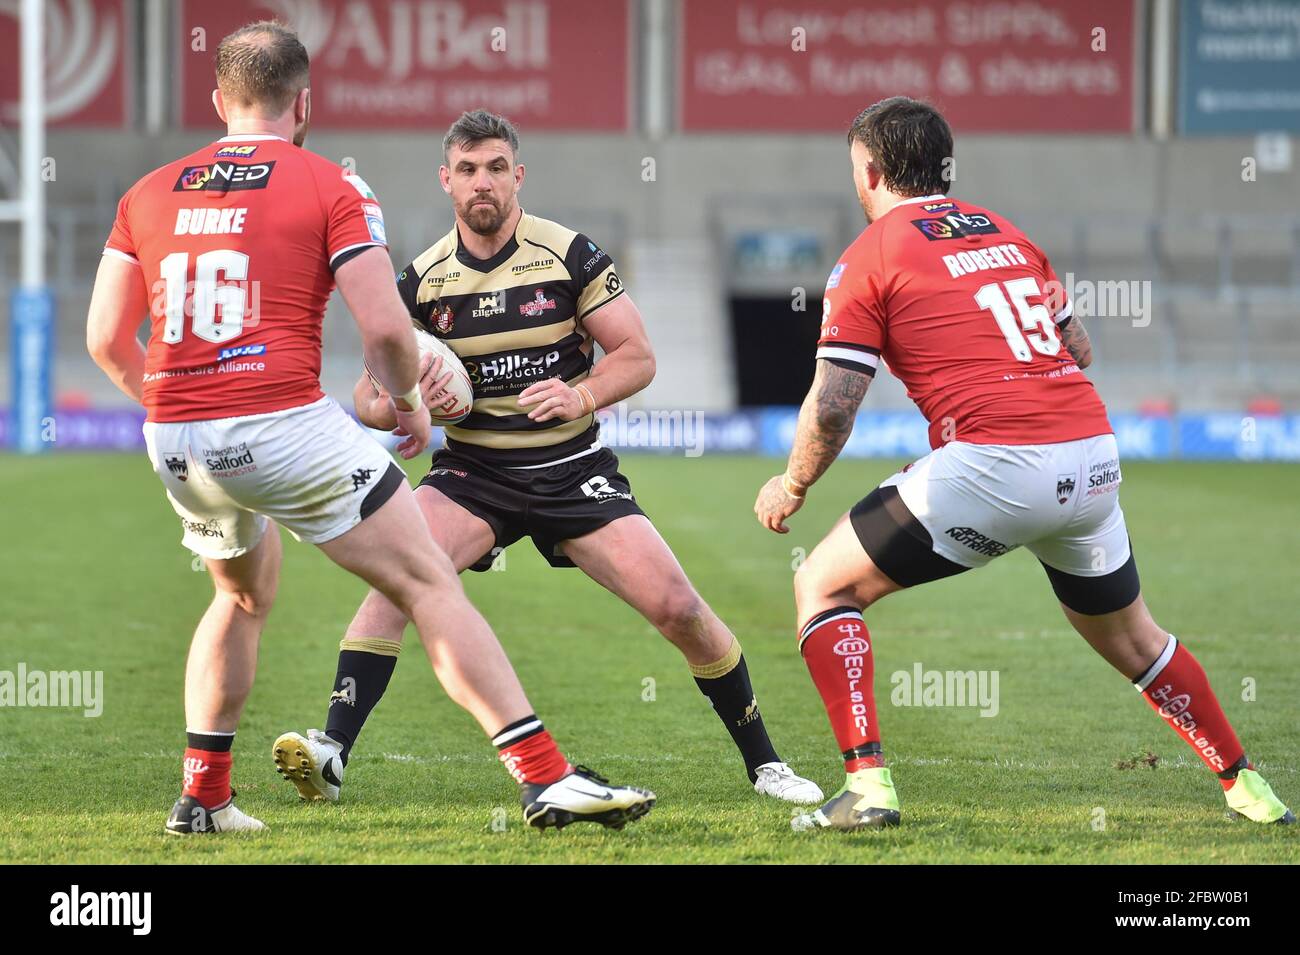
(779, 781)
(312, 763)
(188, 817)
(583, 796)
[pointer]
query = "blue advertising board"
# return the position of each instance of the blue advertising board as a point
(1238, 66)
(32, 351)
(1221, 436)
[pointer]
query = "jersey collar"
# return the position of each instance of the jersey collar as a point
(934, 198)
(250, 138)
(464, 257)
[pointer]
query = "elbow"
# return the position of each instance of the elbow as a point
(833, 421)
(100, 348)
(648, 369)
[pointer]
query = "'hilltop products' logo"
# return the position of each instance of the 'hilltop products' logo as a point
(224, 177)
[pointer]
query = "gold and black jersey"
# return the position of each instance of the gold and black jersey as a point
(514, 319)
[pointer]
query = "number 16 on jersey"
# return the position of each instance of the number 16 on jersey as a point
(220, 280)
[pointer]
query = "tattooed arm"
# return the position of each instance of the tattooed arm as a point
(825, 422)
(1075, 338)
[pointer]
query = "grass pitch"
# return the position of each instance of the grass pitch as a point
(94, 579)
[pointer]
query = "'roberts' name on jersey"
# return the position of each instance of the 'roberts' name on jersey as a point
(980, 260)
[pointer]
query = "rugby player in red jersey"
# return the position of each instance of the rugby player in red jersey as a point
(968, 314)
(230, 253)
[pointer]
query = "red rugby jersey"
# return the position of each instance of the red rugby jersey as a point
(964, 310)
(237, 244)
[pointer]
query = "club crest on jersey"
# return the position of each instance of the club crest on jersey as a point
(955, 225)
(444, 321)
(539, 304)
(224, 177)
(235, 152)
(177, 465)
(1064, 487)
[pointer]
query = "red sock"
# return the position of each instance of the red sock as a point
(835, 646)
(207, 776)
(1178, 690)
(529, 754)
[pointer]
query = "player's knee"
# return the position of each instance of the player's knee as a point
(809, 583)
(680, 613)
(255, 601)
(430, 579)
(813, 588)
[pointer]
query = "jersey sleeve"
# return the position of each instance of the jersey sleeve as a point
(853, 316)
(408, 287)
(353, 219)
(593, 272)
(1055, 296)
(120, 244)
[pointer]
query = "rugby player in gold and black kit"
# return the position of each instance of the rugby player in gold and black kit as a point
(523, 301)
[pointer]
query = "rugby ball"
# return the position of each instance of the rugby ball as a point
(456, 408)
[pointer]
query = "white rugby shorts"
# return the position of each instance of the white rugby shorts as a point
(964, 504)
(1059, 501)
(311, 469)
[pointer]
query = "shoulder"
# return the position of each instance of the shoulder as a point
(863, 256)
(163, 179)
(579, 253)
(423, 278)
(550, 234)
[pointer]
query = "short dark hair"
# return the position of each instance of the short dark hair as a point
(262, 64)
(477, 125)
(909, 142)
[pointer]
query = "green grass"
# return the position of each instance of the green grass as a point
(94, 579)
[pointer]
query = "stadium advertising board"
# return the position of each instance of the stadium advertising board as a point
(1239, 66)
(547, 64)
(88, 55)
(1040, 66)
(770, 431)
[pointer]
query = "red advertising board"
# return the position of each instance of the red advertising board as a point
(991, 65)
(88, 46)
(416, 64)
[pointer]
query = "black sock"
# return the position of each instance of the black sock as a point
(210, 742)
(365, 667)
(726, 684)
